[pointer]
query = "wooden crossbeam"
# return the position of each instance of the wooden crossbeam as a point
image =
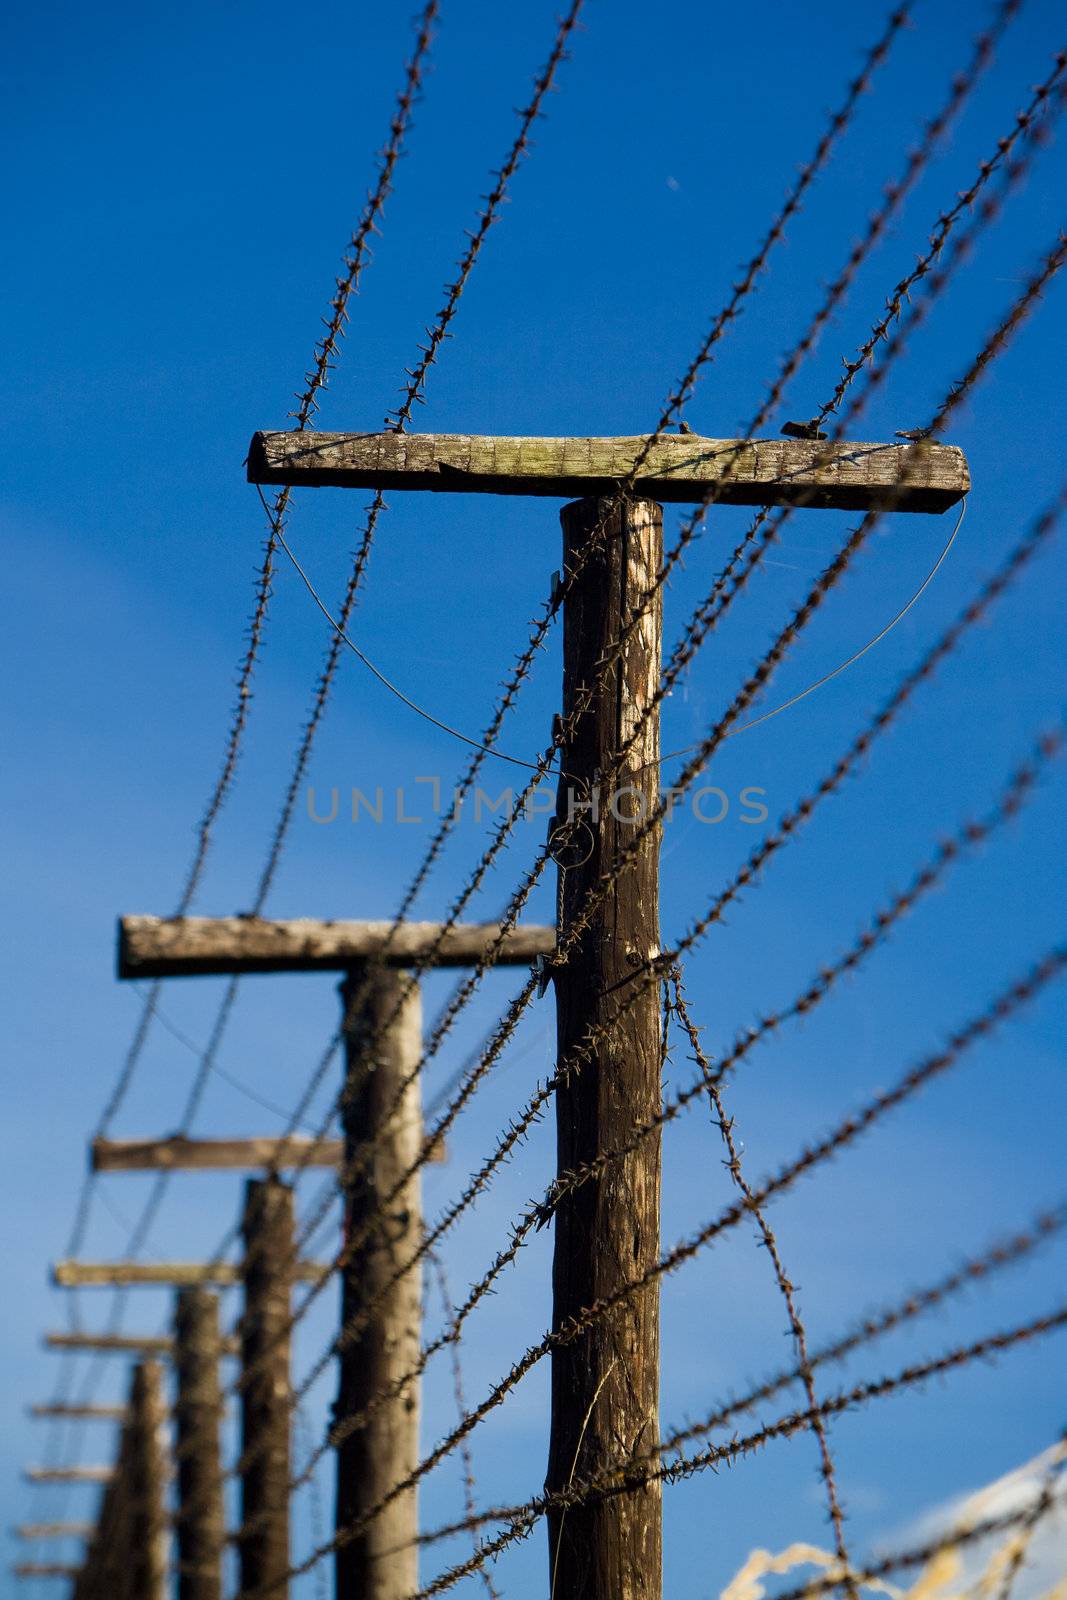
(69, 1474)
(54, 1530)
(169, 1274)
(158, 947)
(125, 1344)
(682, 467)
(83, 1413)
(178, 1153)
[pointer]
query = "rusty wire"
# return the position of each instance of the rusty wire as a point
(470, 1490)
(786, 1288)
(413, 394)
(766, 526)
(315, 381)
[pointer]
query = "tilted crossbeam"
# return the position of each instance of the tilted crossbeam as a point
(680, 467)
(180, 1154)
(86, 1413)
(69, 1474)
(55, 1530)
(173, 947)
(122, 1344)
(169, 1274)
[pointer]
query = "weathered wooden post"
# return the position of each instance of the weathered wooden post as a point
(199, 1518)
(383, 1045)
(263, 1537)
(605, 1383)
(127, 1556)
(145, 1475)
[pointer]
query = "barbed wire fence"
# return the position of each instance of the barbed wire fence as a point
(685, 1450)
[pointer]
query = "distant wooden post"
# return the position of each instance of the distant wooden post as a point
(146, 1484)
(383, 1045)
(127, 1556)
(199, 1518)
(605, 1383)
(263, 1538)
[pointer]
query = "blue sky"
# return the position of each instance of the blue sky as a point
(181, 186)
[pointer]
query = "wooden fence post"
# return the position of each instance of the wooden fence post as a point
(605, 1383)
(265, 1397)
(197, 1416)
(382, 1005)
(147, 1478)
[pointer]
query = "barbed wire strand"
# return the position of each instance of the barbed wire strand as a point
(622, 1476)
(934, 130)
(786, 1287)
(316, 379)
(470, 1492)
